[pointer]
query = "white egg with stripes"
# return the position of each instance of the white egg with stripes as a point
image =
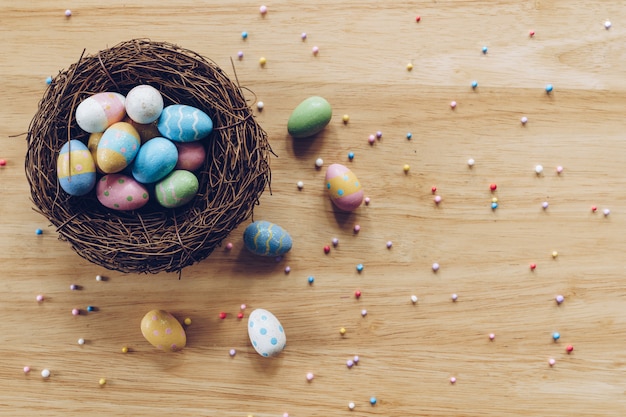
(183, 123)
(266, 333)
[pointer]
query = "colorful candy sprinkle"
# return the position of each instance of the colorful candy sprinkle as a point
(414, 299)
(435, 267)
(524, 120)
(471, 162)
(81, 341)
(551, 362)
(315, 50)
(26, 369)
(452, 380)
(319, 162)
(345, 118)
(263, 9)
(311, 280)
(538, 169)
(559, 299)
(68, 13)
(549, 88)
(45, 373)
(39, 298)
(556, 336)
(474, 84)
(373, 400)
(310, 376)
(102, 381)
(569, 348)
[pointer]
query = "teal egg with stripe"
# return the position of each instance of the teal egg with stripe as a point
(182, 123)
(266, 239)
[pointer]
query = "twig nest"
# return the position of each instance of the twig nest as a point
(231, 177)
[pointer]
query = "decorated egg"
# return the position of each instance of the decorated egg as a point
(310, 117)
(343, 187)
(76, 169)
(121, 192)
(92, 145)
(117, 147)
(176, 189)
(266, 333)
(182, 123)
(266, 239)
(155, 159)
(144, 104)
(146, 131)
(191, 155)
(163, 331)
(97, 112)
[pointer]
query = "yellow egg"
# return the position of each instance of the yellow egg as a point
(163, 331)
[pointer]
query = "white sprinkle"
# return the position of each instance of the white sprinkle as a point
(606, 211)
(45, 373)
(539, 169)
(470, 162)
(364, 313)
(98, 277)
(232, 352)
(81, 341)
(300, 185)
(260, 105)
(319, 162)
(414, 299)
(607, 25)
(351, 405)
(68, 13)
(559, 299)
(551, 362)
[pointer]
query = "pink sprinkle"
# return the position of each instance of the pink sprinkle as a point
(437, 199)
(39, 298)
(559, 169)
(68, 13)
(357, 228)
(310, 376)
(544, 205)
(26, 369)
(240, 54)
(389, 244)
(524, 120)
(315, 50)
(243, 306)
(371, 139)
(349, 363)
(435, 267)
(452, 380)
(75, 312)
(453, 104)
(303, 36)
(364, 313)
(263, 9)
(232, 352)
(356, 359)
(559, 299)
(367, 201)
(551, 362)
(229, 246)
(287, 269)
(454, 297)
(3, 162)
(492, 336)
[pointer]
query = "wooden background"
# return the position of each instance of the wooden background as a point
(408, 353)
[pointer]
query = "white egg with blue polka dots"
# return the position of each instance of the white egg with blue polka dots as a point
(266, 333)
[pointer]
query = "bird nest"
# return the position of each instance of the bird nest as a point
(151, 239)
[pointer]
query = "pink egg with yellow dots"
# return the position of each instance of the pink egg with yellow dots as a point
(343, 187)
(97, 112)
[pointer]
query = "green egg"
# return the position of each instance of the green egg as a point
(177, 189)
(309, 117)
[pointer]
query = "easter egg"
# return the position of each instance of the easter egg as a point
(176, 189)
(163, 331)
(97, 112)
(144, 104)
(343, 187)
(182, 123)
(266, 239)
(117, 147)
(146, 131)
(266, 333)
(121, 192)
(76, 169)
(155, 159)
(92, 145)
(191, 155)
(309, 117)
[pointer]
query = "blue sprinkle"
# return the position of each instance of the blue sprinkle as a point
(38, 231)
(373, 400)
(311, 280)
(494, 206)
(359, 267)
(556, 336)
(474, 84)
(49, 80)
(244, 35)
(409, 135)
(351, 155)
(90, 308)
(485, 49)
(549, 88)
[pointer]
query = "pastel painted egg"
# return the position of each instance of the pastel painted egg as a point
(310, 117)
(182, 123)
(146, 131)
(97, 112)
(155, 159)
(117, 147)
(191, 155)
(176, 189)
(144, 104)
(76, 169)
(163, 331)
(92, 145)
(266, 239)
(266, 333)
(121, 192)
(343, 187)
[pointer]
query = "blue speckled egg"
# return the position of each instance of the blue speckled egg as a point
(182, 123)
(266, 239)
(117, 147)
(266, 333)
(155, 159)
(76, 168)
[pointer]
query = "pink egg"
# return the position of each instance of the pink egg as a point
(343, 187)
(121, 192)
(191, 155)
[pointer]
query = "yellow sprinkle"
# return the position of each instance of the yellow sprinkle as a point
(187, 321)
(346, 118)
(102, 381)
(406, 168)
(342, 330)
(262, 61)
(124, 349)
(409, 67)
(555, 254)
(494, 200)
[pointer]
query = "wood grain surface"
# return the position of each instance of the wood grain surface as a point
(408, 353)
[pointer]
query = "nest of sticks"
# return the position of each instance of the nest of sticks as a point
(152, 239)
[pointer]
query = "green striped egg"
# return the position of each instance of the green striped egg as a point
(266, 239)
(177, 189)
